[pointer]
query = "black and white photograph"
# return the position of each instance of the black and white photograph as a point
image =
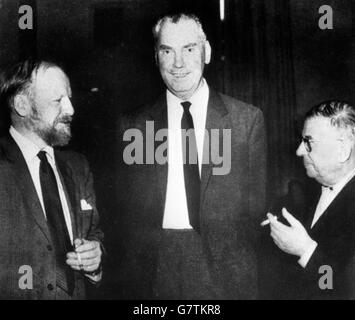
(177, 150)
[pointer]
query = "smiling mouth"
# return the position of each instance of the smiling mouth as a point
(65, 122)
(179, 75)
(64, 125)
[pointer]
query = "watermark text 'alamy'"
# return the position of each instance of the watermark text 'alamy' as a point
(216, 147)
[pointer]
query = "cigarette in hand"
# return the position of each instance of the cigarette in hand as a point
(267, 221)
(78, 256)
(79, 260)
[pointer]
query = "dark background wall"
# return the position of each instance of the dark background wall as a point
(107, 50)
(324, 60)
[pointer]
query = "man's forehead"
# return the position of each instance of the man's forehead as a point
(182, 31)
(49, 73)
(319, 127)
(52, 78)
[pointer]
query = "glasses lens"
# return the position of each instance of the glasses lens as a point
(307, 144)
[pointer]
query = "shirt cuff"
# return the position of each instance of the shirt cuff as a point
(308, 254)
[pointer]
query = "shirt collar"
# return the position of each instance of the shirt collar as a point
(341, 184)
(27, 147)
(200, 95)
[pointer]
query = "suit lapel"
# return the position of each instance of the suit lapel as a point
(69, 188)
(25, 183)
(312, 209)
(333, 207)
(159, 115)
(216, 112)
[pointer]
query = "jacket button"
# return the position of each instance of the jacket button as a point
(50, 287)
(49, 247)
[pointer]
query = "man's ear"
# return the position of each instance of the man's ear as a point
(345, 150)
(22, 105)
(208, 51)
(156, 58)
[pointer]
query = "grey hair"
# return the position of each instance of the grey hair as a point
(17, 79)
(175, 18)
(340, 113)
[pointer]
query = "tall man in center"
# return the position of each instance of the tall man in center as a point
(188, 230)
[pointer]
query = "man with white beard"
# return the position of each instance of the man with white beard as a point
(50, 243)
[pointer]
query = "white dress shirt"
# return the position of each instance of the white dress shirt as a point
(327, 197)
(176, 213)
(29, 151)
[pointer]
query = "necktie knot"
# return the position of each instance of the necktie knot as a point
(42, 156)
(186, 105)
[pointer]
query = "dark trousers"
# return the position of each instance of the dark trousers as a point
(183, 271)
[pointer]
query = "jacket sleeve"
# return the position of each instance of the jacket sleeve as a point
(257, 167)
(91, 224)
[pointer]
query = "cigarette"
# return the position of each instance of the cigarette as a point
(79, 259)
(267, 221)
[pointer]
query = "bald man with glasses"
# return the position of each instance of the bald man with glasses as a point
(323, 246)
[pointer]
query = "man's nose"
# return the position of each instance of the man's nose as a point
(178, 60)
(67, 106)
(301, 150)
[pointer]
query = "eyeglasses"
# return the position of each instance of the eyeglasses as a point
(307, 142)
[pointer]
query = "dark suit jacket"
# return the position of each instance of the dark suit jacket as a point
(335, 234)
(24, 234)
(230, 204)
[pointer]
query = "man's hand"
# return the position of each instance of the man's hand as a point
(292, 240)
(87, 256)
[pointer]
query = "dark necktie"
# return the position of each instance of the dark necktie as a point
(191, 172)
(56, 223)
